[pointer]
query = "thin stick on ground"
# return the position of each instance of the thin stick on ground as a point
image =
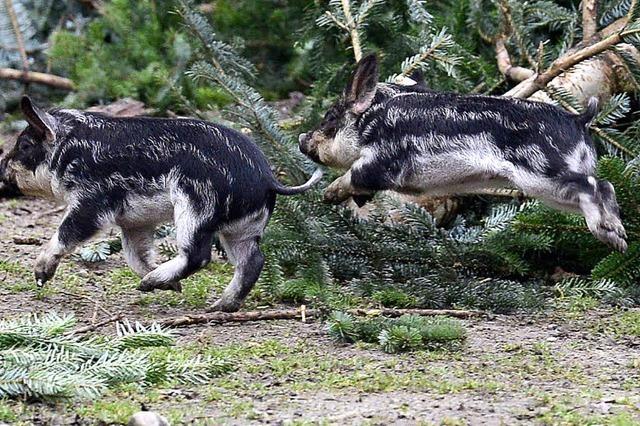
(95, 326)
(55, 210)
(28, 241)
(296, 314)
(84, 297)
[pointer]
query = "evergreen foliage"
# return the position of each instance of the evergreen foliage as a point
(41, 359)
(133, 49)
(495, 256)
(407, 333)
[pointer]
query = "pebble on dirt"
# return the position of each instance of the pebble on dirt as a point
(147, 418)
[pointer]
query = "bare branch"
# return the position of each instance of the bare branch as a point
(36, 77)
(589, 19)
(560, 65)
(16, 30)
(353, 30)
(507, 20)
(514, 73)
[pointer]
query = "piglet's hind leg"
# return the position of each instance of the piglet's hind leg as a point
(194, 238)
(245, 254)
(137, 245)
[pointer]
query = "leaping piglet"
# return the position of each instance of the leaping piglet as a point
(417, 141)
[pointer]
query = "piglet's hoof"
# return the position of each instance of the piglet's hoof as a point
(225, 306)
(335, 195)
(43, 273)
(41, 279)
(148, 286)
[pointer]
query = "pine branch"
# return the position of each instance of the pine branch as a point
(605, 135)
(42, 358)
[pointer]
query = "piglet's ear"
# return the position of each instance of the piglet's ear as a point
(39, 119)
(362, 87)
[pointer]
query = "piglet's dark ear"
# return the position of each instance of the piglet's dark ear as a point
(39, 119)
(362, 86)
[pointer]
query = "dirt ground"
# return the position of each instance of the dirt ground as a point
(566, 366)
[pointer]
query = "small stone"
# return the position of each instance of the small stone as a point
(147, 418)
(604, 407)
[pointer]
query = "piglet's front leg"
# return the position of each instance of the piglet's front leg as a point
(78, 226)
(339, 190)
(48, 260)
(342, 188)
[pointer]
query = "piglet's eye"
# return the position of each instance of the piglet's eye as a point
(24, 144)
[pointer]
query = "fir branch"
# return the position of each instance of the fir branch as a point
(40, 359)
(225, 69)
(610, 136)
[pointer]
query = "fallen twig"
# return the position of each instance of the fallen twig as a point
(289, 314)
(82, 296)
(393, 313)
(95, 326)
(27, 241)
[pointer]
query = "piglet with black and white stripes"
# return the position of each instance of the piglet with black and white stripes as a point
(417, 141)
(139, 172)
